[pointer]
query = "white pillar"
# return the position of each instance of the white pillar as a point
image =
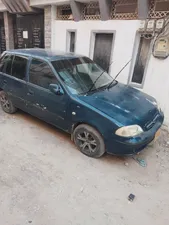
(9, 30)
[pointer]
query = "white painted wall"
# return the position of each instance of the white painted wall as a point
(157, 75)
(157, 83)
(122, 48)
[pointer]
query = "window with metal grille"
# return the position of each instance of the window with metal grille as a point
(162, 5)
(158, 8)
(91, 11)
(124, 9)
(129, 6)
(140, 60)
(64, 12)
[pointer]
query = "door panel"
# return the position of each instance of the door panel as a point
(30, 31)
(17, 91)
(14, 67)
(42, 102)
(47, 106)
(103, 49)
(18, 81)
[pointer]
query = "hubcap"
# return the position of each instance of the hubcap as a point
(87, 142)
(5, 102)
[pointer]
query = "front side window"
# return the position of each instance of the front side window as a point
(81, 75)
(6, 64)
(19, 67)
(41, 74)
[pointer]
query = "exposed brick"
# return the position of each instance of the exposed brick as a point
(48, 28)
(48, 24)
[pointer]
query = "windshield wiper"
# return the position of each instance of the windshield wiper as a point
(99, 78)
(108, 86)
(113, 83)
(94, 90)
(119, 73)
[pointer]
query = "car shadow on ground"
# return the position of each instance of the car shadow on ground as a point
(110, 159)
(43, 125)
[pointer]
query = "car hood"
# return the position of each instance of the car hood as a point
(124, 104)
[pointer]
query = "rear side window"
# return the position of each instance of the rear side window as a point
(2, 62)
(19, 67)
(6, 64)
(41, 74)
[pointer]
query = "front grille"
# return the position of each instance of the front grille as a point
(152, 122)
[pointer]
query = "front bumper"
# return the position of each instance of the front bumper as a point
(131, 146)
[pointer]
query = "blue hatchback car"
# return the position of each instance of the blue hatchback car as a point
(74, 94)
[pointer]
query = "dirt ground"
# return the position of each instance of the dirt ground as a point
(45, 180)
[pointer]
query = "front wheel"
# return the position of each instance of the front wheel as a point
(6, 103)
(89, 141)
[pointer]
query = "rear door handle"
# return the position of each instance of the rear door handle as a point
(5, 82)
(30, 93)
(43, 107)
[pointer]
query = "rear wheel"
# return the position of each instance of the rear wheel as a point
(89, 141)
(6, 103)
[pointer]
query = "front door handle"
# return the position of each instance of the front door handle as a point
(30, 93)
(5, 82)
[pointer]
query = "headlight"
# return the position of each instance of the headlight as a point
(159, 107)
(129, 131)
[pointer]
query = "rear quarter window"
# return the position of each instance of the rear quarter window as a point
(6, 64)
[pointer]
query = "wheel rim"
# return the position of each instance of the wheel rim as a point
(87, 142)
(5, 102)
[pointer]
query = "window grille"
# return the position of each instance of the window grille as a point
(124, 10)
(158, 8)
(91, 11)
(64, 12)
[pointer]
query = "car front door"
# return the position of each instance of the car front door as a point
(13, 70)
(43, 103)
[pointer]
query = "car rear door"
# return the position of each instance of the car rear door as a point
(42, 102)
(19, 80)
(5, 72)
(13, 78)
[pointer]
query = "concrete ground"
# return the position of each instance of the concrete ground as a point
(45, 180)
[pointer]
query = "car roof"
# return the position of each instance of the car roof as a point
(51, 55)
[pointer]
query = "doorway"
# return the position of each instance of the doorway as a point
(103, 49)
(29, 31)
(71, 41)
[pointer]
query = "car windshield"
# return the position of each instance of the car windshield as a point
(81, 75)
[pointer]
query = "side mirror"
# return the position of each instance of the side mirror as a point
(56, 89)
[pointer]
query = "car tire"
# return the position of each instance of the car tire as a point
(89, 141)
(6, 103)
